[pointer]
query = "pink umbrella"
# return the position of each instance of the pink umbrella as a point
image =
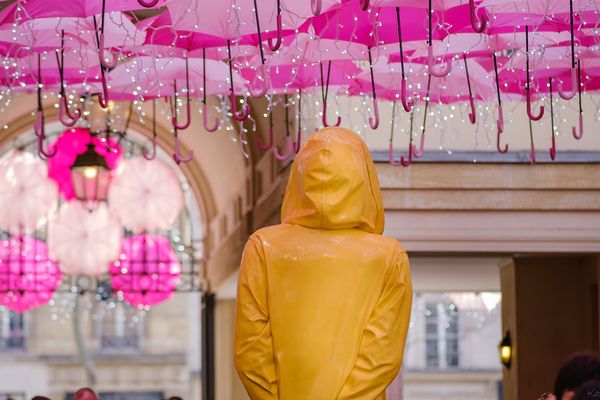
(69, 145)
(28, 278)
(24, 182)
(84, 242)
(147, 271)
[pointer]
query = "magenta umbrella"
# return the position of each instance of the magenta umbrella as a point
(69, 145)
(28, 278)
(147, 271)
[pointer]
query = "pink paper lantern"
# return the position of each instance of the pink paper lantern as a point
(72, 143)
(27, 277)
(147, 271)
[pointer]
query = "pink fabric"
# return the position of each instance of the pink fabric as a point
(28, 278)
(147, 271)
(72, 143)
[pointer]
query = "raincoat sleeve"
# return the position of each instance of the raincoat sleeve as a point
(253, 345)
(383, 339)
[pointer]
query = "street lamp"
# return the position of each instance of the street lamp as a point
(91, 176)
(505, 349)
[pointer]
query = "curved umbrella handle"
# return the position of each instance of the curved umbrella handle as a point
(500, 121)
(174, 118)
(374, 122)
(324, 118)
(261, 91)
(419, 153)
(477, 23)
(205, 120)
(408, 161)
(148, 4)
(498, 146)
(43, 153)
(275, 45)
(529, 111)
(106, 63)
(406, 104)
(391, 159)
(364, 4)
(568, 95)
(444, 71)
(578, 135)
(150, 155)
(266, 146)
(245, 110)
(316, 6)
(64, 115)
(288, 153)
(177, 155)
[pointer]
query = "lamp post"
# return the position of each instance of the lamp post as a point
(91, 176)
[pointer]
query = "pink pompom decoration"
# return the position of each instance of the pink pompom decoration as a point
(27, 277)
(147, 271)
(70, 144)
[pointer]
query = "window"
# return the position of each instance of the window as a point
(441, 335)
(12, 331)
(120, 327)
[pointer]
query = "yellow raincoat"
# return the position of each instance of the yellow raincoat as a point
(324, 299)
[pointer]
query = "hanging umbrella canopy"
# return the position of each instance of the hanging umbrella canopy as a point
(28, 278)
(147, 271)
(148, 78)
(82, 241)
(27, 196)
(145, 195)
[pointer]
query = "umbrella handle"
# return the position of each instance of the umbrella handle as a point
(150, 155)
(38, 127)
(364, 4)
(578, 135)
(64, 114)
(498, 146)
(288, 153)
(43, 153)
(266, 146)
(103, 97)
(316, 6)
(568, 95)
(418, 153)
(107, 63)
(188, 103)
(275, 45)
(261, 76)
(445, 69)
(177, 155)
(298, 142)
(374, 122)
(233, 105)
(472, 114)
(405, 162)
(324, 119)
(205, 120)
(477, 23)
(148, 4)
(529, 111)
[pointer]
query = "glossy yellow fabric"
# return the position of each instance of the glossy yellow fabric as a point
(324, 299)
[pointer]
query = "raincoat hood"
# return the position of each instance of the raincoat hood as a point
(333, 184)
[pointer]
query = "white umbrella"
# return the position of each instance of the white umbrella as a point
(84, 242)
(27, 195)
(145, 195)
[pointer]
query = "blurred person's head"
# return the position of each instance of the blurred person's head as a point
(576, 370)
(590, 390)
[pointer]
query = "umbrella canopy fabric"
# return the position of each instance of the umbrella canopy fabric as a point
(28, 278)
(27, 196)
(145, 195)
(147, 271)
(84, 242)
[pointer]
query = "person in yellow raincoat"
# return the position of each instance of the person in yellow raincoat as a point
(324, 300)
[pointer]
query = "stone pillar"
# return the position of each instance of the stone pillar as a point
(550, 307)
